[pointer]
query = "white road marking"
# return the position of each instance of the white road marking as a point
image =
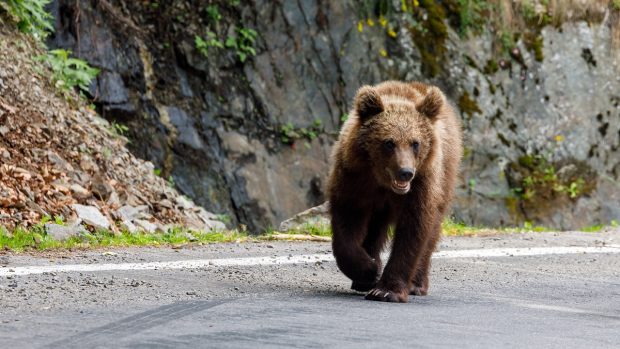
(299, 259)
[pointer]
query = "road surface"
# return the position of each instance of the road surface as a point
(543, 290)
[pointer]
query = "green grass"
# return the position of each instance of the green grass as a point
(35, 238)
(451, 228)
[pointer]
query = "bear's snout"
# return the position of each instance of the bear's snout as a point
(406, 174)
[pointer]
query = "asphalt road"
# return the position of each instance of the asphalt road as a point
(229, 297)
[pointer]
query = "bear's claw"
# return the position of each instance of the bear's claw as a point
(377, 294)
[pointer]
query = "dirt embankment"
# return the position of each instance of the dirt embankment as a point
(59, 158)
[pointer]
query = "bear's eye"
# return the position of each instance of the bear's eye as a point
(416, 146)
(389, 145)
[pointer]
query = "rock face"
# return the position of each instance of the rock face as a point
(252, 139)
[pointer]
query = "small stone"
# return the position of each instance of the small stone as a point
(4, 130)
(101, 188)
(114, 201)
(130, 213)
(146, 225)
(59, 162)
(91, 216)
(79, 192)
(5, 154)
(165, 203)
(184, 203)
(129, 226)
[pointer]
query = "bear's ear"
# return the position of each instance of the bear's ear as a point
(367, 103)
(431, 104)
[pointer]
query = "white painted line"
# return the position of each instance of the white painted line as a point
(299, 259)
(525, 251)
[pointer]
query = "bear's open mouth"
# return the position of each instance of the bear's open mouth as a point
(400, 187)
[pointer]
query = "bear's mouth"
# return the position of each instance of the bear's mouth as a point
(400, 187)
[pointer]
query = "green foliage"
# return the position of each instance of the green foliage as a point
(243, 43)
(203, 45)
(32, 17)
(224, 218)
(593, 228)
(467, 105)
(615, 4)
(213, 12)
(289, 133)
(69, 72)
(118, 129)
(529, 226)
(471, 16)
(171, 182)
(541, 178)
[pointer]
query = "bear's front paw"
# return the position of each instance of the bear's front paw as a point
(384, 295)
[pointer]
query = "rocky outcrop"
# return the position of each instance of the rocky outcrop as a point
(252, 138)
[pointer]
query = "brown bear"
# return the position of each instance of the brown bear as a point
(395, 164)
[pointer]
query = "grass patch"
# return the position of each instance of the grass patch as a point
(35, 238)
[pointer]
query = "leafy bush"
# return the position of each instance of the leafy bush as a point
(213, 13)
(69, 72)
(203, 45)
(33, 18)
(243, 43)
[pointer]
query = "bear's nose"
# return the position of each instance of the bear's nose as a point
(405, 174)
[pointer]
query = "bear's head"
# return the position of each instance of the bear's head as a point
(397, 134)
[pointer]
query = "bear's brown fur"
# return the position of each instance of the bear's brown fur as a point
(395, 164)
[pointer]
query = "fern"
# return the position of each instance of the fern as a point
(69, 72)
(32, 16)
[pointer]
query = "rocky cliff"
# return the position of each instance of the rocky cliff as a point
(242, 118)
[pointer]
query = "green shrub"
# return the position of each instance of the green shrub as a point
(203, 45)
(69, 72)
(243, 43)
(31, 15)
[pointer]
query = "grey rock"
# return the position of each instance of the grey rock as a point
(111, 88)
(184, 203)
(58, 161)
(214, 225)
(229, 159)
(129, 226)
(91, 215)
(130, 213)
(146, 226)
(187, 133)
(315, 216)
(4, 130)
(62, 232)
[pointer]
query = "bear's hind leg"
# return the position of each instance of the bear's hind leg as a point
(420, 283)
